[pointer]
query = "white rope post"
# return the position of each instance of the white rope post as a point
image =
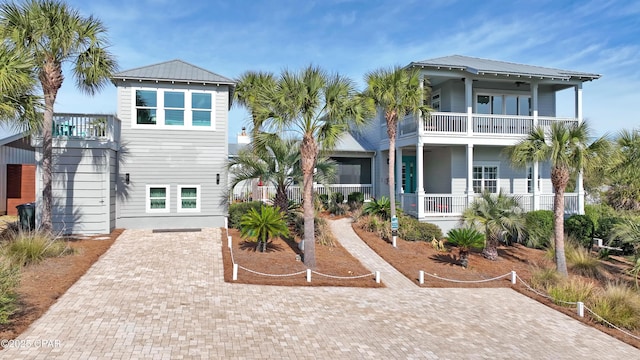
(308, 275)
(513, 277)
(235, 272)
(580, 309)
(226, 223)
(421, 277)
(377, 277)
(229, 241)
(393, 241)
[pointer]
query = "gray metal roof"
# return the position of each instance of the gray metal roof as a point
(350, 143)
(493, 67)
(174, 70)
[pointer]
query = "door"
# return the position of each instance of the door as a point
(409, 174)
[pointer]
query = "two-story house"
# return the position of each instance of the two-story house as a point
(479, 107)
(158, 164)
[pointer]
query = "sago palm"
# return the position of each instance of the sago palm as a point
(396, 92)
(263, 226)
(52, 33)
(465, 239)
(318, 108)
(498, 216)
(568, 150)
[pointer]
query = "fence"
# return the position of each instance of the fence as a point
(294, 193)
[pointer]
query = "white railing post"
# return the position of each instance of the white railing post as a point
(580, 309)
(513, 277)
(308, 275)
(229, 241)
(377, 277)
(421, 277)
(235, 272)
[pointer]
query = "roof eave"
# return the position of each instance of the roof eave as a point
(172, 81)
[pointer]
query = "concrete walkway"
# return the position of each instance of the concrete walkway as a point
(391, 277)
(162, 296)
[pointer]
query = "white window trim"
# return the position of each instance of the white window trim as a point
(160, 109)
(495, 164)
(167, 201)
(179, 198)
(493, 92)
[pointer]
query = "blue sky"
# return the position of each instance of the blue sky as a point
(352, 37)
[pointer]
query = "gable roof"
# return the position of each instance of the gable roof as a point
(174, 71)
(493, 67)
(349, 143)
(8, 134)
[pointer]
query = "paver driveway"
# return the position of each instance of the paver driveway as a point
(162, 296)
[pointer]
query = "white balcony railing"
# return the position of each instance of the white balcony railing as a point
(86, 127)
(294, 193)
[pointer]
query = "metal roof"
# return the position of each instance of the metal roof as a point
(493, 67)
(174, 71)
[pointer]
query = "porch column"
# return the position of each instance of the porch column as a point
(534, 102)
(468, 99)
(399, 183)
(535, 186)
(469, 174)
(580, 180)
(420, 175)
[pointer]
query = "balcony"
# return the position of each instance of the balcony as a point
(457, 124)
(82, 127)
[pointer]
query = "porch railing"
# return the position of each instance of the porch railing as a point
(86, 127)
(294, 193)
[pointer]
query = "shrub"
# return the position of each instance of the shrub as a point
(337, 198)
(539, 225)
(375, 224)
(236, 211)
(619, 305)
(338, 209)
(465, 239)
(324, 200)
(355, 197)
(322, 233)
(606, 226)
(580, 227)
(544, 278)
(262, 226)
(570, 291)
(597, 212)
(581, 262)
(380, 207)
(9, 279)
(411, 229)
(31, 247)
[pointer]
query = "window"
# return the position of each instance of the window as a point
(146, 103)
(173, 108)
(157, 198)
(485, 178)
(529, 180)
(201, 105)
(435, 100)
(189, 198)
(503, 104)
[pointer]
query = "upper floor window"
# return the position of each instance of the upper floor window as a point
(503, 104)
(170, 108)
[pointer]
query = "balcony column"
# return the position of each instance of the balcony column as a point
(535, 186)
(468, 100)
(399, 183)
(469, 174)
(580, 180)
(420, 175)
(534, 103)
(578, 110)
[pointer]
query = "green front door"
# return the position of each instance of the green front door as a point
(409, 174)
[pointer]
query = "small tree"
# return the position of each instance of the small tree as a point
(263, 226)
(465, 239)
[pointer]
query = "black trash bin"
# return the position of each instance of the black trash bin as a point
(27, 215)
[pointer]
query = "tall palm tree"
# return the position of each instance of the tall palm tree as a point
(624, 172)
(499, 216)
(568, 150)
(18, 105)
(318, 107)
(52, 33)
(397, 92)
(250, 86)
(277, 161)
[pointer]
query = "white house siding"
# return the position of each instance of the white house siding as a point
(11, 155)
(546, 101)
(80, 188)
(437, 168)
(171, 158)
(458, 170)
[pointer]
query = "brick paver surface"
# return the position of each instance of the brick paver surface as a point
(162, 296)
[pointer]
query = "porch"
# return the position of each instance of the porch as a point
(452, 205)
(294, 193)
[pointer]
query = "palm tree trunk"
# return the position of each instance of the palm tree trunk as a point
(559, 178)
(308, 154)
(391, 132)
(491, 250)
(281, 200)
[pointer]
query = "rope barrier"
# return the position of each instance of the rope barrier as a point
(545, 295)
(468, 281)
(343, 277)
(273, 275)
(611, 325)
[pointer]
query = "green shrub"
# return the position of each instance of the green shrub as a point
(324, 200)
(31, 247)
(582, 262)
(237, 210)
(375, 224)
(322, 232)
(539, 225)
(465, 239)
(597, 212)
(619, 305)
(338, 209)
(606, 226)
(580, 227)
(355, 197)
(337, 198)
(544, 278)
(410, 229)
(9, 279)
(571, 291)
(380, 207)
(264, 225)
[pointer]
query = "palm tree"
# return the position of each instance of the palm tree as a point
(248, 93)
(319, 108)
(397, 92)
(52, 33)
(276, 161)
(263, 226)
(498, 216)
(465, 239)
(18, 104)
(624, 172)
(568, 150)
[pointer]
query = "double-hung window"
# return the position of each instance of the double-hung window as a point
(183, 109)
(174, 108)
(188, 198)
(485, 178)
(146, 106)
(157, 198)
(201, 109)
